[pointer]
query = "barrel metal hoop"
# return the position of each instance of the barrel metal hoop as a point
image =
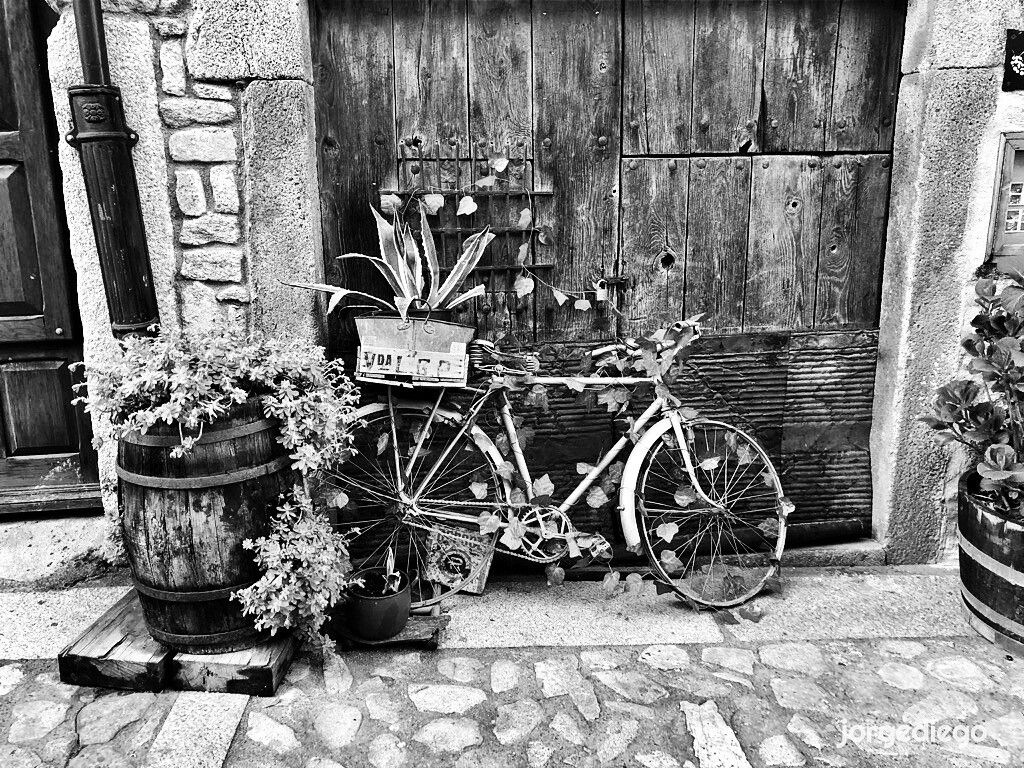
(1000, 622)
(208, 436)
(203, 481)
(989, 563)
(175, 596)
(216, 638)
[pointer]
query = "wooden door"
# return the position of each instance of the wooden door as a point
(45, 461)
(730, 157)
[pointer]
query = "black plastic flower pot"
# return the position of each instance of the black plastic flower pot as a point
(371, 615)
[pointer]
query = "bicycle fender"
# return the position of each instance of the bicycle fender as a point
(630, 476)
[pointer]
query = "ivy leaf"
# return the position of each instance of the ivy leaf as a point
(340, 500)
(770, 526)
(596, 497)
(382, 442)
(670, 561)
(505, 470)
(634, 583)
(787, 507)
(525, 218)
(667, 531)
(768, 479)
(486, 182)
(489, 522)
(575, 386)
(517, 497)
(543, 486)
(615, 471)
(582, 468)
(478, 489)
(555, 574)
(610, 583)
(581, 304)
(560, 297)
(523, 286)
(745, 455)
(684, 496)
(390, 204)
(546, 235)
(524, 253)
(614, 398)
(537, 397)
(688, 414)
(710, 463)
(467, 205)
(512, 538)
(432, 203)
(499, 163)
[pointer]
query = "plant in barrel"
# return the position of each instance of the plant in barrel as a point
(214, 432)
(982, 411)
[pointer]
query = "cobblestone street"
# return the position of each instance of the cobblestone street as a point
(834, 699)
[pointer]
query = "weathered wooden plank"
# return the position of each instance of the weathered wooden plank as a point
(256, 671)
(716, 241)
(500, 76)
(657, 82)
(431, 94)
(727, 65)
(116, 651)
(800, 46)
(867, 75)
(576, 53)
(855, 194)
(356, 151)
(653, 256)
(782, 253)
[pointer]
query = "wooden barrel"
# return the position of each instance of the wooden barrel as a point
(991, 568)
(185, 518)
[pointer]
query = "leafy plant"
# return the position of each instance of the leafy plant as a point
(192, 380)
(403, 267)
(984, 412)
(305, 569)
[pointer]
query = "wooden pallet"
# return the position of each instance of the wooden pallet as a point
(117, 652)
(422, 631)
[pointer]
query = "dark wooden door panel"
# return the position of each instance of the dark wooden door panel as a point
(38, 416)
(21, 297)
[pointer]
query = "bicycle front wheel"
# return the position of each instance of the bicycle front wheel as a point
(431, 531)
(716, 535)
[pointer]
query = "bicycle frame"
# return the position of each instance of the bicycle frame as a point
(659, 406)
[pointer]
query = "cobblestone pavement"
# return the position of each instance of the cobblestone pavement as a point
(660, 706)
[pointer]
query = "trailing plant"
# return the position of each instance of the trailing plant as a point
(985, 413)
(305, 567)
(191, 380)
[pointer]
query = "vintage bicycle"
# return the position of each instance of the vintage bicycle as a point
(426, 478)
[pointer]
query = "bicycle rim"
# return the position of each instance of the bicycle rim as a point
(716, 555)
(441, 557)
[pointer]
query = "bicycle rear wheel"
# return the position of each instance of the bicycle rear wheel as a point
(718, 541)
(440, 555)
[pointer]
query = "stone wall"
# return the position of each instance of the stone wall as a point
(949, 122)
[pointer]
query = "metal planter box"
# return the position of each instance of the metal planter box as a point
(415, 352)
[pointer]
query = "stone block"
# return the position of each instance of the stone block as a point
(282, 204)
(209, 228)
(212, 91)
(202, 313)
(188, 190)
(170, 26)
(172, 65)
(203, 145)
(243, 39)
(958, 33)
(238, 293)
(214, 262)
(179, 112)
(225, 188)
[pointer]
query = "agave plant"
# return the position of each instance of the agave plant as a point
(402, 265)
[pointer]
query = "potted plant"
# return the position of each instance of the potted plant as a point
(211, 430)
(985, 413)
(377, 604)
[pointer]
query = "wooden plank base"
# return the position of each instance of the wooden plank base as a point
(423, 631)
(117, 652)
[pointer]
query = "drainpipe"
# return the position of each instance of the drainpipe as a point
(105, 144)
